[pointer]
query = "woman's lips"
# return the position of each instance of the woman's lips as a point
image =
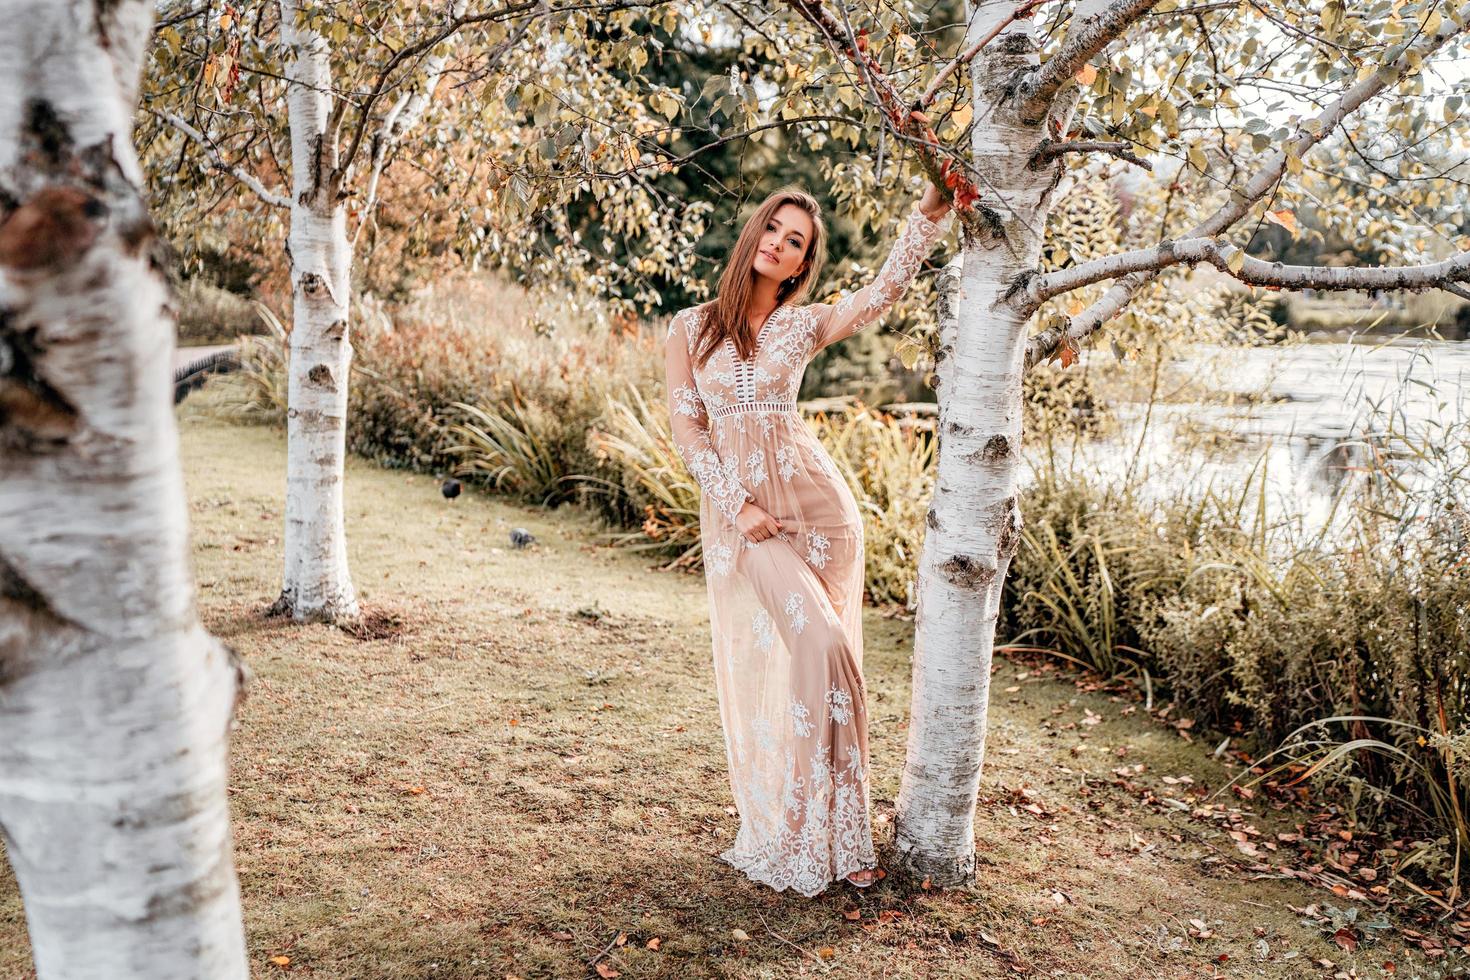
(769, 257)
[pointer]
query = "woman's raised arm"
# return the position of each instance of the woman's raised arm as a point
(836, 321)
(689, 422)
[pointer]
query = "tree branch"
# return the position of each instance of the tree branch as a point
(906, 121)
(1084, 39)
(1022, 11)
(1049, 149)
(1256, 272)
(1309, 133)
(452, 27)
(270, 197)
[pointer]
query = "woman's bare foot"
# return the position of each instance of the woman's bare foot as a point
(863, 878)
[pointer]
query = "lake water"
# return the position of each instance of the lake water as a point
(1311, 415)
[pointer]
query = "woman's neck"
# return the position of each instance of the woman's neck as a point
(762, 301)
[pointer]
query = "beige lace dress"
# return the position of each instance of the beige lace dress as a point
(785, 613)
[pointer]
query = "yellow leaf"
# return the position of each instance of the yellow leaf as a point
(1149, 110)
(1075, 307)
(1087, 75)
(961, 117)
(1197, 157)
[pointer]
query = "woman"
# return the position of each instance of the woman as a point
(783, 541)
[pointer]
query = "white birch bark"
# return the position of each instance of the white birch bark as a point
(114, 701)
(974, 520)
(316, 582)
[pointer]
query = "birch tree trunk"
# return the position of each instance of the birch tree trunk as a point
(114, 701)
(316, 582)
(974, 520)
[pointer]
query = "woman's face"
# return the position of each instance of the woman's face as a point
(783, 243)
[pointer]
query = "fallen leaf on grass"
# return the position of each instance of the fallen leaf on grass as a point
(1346, 938)
(740, 935)
(826, 952)
(416, 790)
(622, 939)
(607, 972)
(653, 943)
(852, 915)
(281, 960)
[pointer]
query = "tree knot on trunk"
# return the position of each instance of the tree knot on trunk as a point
(320, 374)
(51, 230)
(958, 428)
(932, 519)
(313, 285)
(996, 448)
(1008, 515)
(34, 415)
(967, 572)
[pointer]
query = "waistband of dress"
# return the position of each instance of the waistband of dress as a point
(738, 408)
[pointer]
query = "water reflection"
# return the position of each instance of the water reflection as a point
(1306, 419)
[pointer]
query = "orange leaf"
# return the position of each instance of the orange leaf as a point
(826, 952)
(852, 915)
(1067, 352)
(416, 790)
(925, 884)
(653, 943)
(1285, 217)
(603, 970)
(281, 960)
(1087, 75)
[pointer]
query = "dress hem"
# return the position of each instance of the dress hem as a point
(750, 867)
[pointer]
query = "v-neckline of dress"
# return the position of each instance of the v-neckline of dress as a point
(760, 335)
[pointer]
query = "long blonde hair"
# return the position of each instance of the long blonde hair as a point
(725, 314)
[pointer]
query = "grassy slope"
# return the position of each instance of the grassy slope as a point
(498, 785)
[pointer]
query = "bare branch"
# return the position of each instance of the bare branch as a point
(273, 198)
(1256, 272)
(1050, 149)
(1309, 133)
(454, 25)
(1086, 38)
(905, 121)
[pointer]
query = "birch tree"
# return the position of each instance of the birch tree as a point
(1245, 110)
(324, 99)
(114, 701)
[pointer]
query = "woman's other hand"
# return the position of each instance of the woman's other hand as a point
(754, 524)
(933, 203)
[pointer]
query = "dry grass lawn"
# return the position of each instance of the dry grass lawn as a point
(519, 771)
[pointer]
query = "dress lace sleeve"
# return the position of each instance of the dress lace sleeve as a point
(689, 423)
(836, 321)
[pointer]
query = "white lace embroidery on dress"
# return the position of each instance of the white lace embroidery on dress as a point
(795, 608)
(755, 466)
(786, 462)
(817, 545)
(799, 719)
(765, 629)
(839, 705)
(718, 559)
